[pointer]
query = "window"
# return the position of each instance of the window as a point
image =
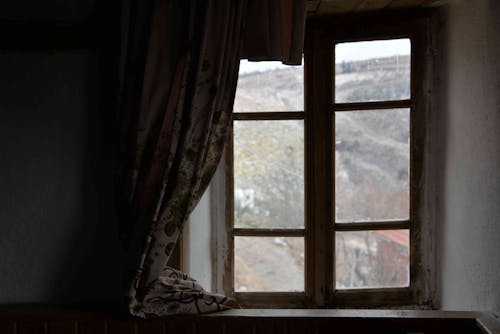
(325, 199)
(266, 170)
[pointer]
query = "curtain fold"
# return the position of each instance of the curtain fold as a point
(180, 61)
(274, 30)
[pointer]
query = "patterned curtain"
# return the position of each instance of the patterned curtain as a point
(179, 71)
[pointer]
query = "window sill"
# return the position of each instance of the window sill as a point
(403, 321)
(348, 314)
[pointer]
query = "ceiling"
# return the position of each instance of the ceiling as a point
(332, 7)
(47, 10)
(71, 10)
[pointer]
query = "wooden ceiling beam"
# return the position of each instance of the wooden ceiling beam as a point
(409, 3)
(331, 7)
(373, 5)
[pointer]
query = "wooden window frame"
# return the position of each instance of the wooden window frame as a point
(319, 109)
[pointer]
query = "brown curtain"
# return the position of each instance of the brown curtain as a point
(274, 30)
(180, 62)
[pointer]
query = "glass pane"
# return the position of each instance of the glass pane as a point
(268, 264)
(372, 71)
(372, 259)
(269, 86)
(372, 156)
(269, 174)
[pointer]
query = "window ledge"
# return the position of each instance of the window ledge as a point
(477, 322)
(350, 313)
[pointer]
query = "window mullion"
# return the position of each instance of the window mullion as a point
(319, 146)
(265, 232)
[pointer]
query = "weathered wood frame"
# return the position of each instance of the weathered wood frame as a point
(319, 122)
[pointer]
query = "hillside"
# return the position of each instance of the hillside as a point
(372, 157)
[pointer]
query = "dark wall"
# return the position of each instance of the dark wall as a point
(58, 237)
(60, 10)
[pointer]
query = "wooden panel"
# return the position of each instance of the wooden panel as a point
(92, 327)
(122, 327)
(312, 6)
(63, 327)
(210, 326)
(241, 326)
(32, 327)
(180, 326)
(260, 321)
(433, 3)
(271, 326)
(337, 6)
(153, 326)
(374, 297)
(334, 7)
(405, 3)
(319, 164)
(267, 300)
(299, 326)
(325, 325)
(372, 5)
(6, 326)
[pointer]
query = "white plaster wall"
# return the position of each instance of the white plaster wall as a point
(197, 243)
(468, 241)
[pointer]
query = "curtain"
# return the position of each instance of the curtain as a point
(274, 30)
(179, 70)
